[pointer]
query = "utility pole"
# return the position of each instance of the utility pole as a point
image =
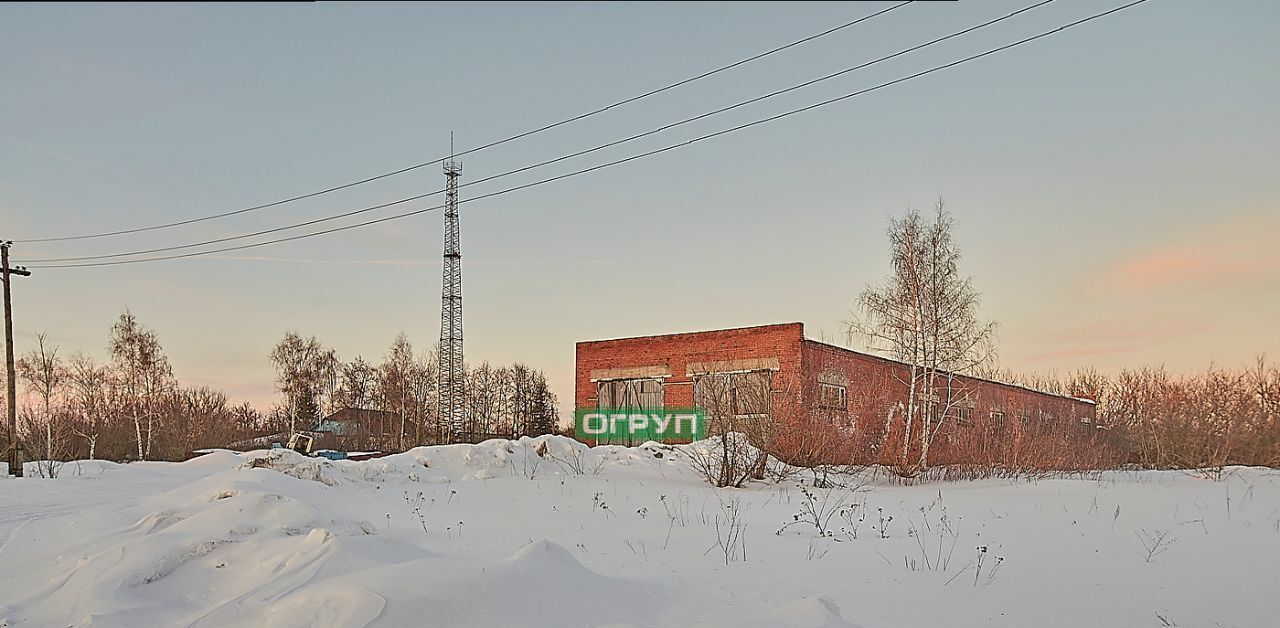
(15, 448)
(452, 367)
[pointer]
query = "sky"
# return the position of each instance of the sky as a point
(1114, 186)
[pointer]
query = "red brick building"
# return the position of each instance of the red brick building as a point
(814, 390)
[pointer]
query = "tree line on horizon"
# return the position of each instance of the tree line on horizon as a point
(1156, 419)
(133, 407)
(501, 402)
(925, 314)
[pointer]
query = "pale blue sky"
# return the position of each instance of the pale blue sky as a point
(1114, 186)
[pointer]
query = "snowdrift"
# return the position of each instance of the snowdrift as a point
(546, 532)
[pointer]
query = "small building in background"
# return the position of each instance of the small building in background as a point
(361, 429)
(810, 401)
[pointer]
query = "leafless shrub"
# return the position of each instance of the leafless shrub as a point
(598, 503)
(853, 515)
(49, 438)
(817, 552)
(1146, 416)
(818, 507)
(643, 551)
(677, 511)
(1155, 542)
(725, 460)
(416, 504)
(575, 460)
(983, 551)
(730, 526)
(934, 556)
(1203, 421)
(530, 464)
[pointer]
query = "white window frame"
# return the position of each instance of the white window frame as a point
(822, 397)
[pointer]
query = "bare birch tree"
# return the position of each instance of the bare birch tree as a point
(925, 315)
(143, 373)
(426, 376)
(358, 385)
(482, 399)
(45, 374)
(89, 398)
(198, 417)
(327, 372)
(396, 377)
(302, 366)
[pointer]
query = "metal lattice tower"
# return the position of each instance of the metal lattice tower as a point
(452, 367)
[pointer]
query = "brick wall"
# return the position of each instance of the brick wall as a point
(875, 384)
(676, 352)
(807, 432)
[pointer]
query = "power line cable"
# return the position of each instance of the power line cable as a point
(512, 138)
(633, 157)
(548, 162)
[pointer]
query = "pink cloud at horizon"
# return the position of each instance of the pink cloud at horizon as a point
(1238, 249)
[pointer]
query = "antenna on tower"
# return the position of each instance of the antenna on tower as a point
(452, 365)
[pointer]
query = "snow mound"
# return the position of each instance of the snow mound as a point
(530, 457)
(561, 535)
(75, 468)
(544, 558)
(551, 586)
(230, 545)
(292, 463)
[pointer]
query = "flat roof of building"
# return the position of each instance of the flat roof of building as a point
(695, 333)
(836, 347)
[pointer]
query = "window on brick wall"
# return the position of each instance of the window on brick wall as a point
(997, 420)
(832, 396)
(963, 415)
(740, 394)
(645, 393)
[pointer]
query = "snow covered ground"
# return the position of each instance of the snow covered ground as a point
(497, 535)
